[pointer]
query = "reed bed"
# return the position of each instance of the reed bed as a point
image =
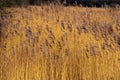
(60, 43)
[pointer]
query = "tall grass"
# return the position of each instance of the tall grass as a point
(60, 43)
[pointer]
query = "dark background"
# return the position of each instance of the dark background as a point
(89, 3)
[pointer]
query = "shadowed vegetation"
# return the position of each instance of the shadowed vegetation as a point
(88, 3)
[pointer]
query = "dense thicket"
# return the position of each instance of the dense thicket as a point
(8, 3)
(98, 3)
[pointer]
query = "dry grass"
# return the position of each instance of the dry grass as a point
(60, 43)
